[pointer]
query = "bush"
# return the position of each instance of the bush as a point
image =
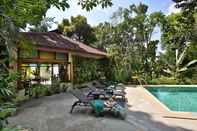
(163, 80)
(86, 70)
(121, 76)
(6, 109)
(7, 85)
(39, 90)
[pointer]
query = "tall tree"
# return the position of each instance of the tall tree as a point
(78, 28)
(43, 25)
(189, 12)
(178, 37)
(129, 40)
(187, 5)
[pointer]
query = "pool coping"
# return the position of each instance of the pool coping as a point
(166, 112)
(169, 86)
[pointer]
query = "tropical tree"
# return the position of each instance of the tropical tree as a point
(78, 28)
(187, 5)
(103, 33)
(43, 26)
(128, 40)
(177, 31)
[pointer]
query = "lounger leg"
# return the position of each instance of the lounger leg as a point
(73, 106)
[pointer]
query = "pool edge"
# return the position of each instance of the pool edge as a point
(166, 112)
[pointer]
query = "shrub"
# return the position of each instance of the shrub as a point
(7, 85)
(121, 75)
(55, 86)
(163, 80)
(38, 90)
(6, 109)
(87, 69)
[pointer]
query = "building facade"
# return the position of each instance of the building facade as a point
(49, 56)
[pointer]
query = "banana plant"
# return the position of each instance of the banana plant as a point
(175, 70)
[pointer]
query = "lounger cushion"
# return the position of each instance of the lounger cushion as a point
(98, 106)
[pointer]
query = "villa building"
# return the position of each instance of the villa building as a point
(51, 57)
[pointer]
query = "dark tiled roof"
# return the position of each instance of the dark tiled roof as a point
(58, 41)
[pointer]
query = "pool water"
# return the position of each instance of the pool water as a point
(176, 98)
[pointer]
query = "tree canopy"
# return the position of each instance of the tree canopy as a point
(129, 42)
(78, 28)
(133, 52)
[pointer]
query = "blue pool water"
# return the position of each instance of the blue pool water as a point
(176, 98)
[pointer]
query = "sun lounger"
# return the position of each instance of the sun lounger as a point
(83, 100)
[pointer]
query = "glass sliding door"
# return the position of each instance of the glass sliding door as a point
(44, 73)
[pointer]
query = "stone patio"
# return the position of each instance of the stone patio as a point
(51, 113)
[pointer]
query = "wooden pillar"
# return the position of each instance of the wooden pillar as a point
(18, 69)
(70, 68)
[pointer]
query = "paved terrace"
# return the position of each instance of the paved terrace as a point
(52, 114)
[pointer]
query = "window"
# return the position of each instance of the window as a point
(28, 54)
(60, 56)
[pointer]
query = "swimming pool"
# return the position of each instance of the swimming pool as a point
(176, 98)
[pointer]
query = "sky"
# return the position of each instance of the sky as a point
(98, 15)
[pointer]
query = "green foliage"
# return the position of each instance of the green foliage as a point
(78, 28)
(86, 69)
(164, 80)
(103, 32)
(176, 31)
(44, 25)
(6, 109)
(176, 69)
(90, 4)
(187, 6)
(55, 87)
(128, 41)
(121, 75)
(38, 90)
(32, 11)
(7, 85)
(178, 37)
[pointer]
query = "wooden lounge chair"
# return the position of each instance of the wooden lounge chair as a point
(83, 100)
(107, 91)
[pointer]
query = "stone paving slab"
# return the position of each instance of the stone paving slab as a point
(52, 114)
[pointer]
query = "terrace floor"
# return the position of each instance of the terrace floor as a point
(51, 113)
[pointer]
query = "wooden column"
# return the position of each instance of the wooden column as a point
(70, 68)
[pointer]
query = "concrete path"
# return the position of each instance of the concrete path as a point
(52, 114)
